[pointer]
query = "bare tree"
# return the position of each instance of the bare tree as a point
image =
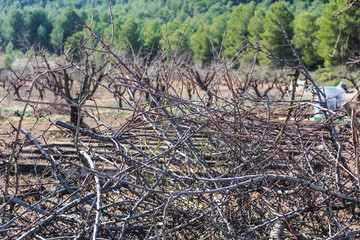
(63, 83)
(203, 83)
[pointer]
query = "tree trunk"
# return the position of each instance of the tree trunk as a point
(74, 116)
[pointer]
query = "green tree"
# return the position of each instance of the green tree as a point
(256, 23)
(152, 36)
(213, 12)
(108, 31)
(170, 28)
(174, 35)
(273, 36)
(345, 27)
(217, 30)
(237, 28)
(10, 56)
(15, 29)
(299, 6)
(179, 40)
(206, 42)
(183, 14)
(200, 45)
(128, 35)
(9, 48)
(316, 8)
(7, 60)
(38, 27)
(101, 22)
(304, 38)
(65, 26)
(71, 48)
(1, 29)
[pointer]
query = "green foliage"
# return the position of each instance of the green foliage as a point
(9, 48)
(73, 4)
(127, 35)
(299, 6)
(101, 20)
(17, 54)
(27, 28)
(345, 27)
(176, 37)
(10, 55)
(72, 46)
(200, 45)
(15, 28)
(237, 28)
(317, 7)
(191, 25)
(152, 36)
(329, 77)
(304, 38)
(29, 53)
(66, 26)
(273, 36)
(218, 30)
(7, 60)
(206, 42)
(256, 23)
(76, 47)
(38, 27)
(216, 10)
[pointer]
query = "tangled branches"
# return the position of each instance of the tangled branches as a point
(171, 167)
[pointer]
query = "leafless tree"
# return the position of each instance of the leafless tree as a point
(63, 83)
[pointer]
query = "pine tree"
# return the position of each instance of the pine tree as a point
(237, 28)
(345, 27)
(273, 37)
(304, 38)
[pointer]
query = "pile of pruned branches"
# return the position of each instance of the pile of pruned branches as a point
(197, 156)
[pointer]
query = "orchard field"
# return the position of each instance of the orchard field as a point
(105, 144)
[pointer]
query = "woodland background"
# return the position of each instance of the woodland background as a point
(205, 29)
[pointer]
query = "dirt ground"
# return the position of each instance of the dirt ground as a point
(10, 109)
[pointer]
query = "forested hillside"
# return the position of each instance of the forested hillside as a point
(195, 28)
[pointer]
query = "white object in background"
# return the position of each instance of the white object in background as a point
(301, 83)
(335, 97)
